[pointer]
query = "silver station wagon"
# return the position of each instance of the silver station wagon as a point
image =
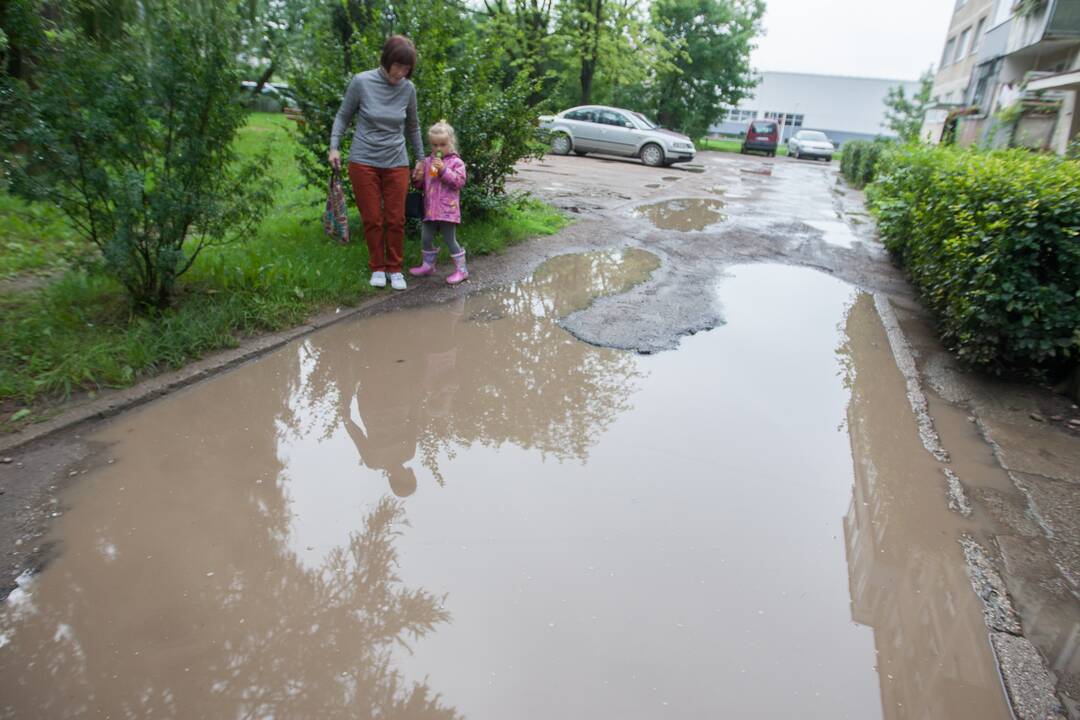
(615, 131)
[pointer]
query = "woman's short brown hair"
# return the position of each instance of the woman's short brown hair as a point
(400, 50)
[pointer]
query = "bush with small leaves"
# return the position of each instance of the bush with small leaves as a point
(992, 242)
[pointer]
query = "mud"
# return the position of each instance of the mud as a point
(575, 517)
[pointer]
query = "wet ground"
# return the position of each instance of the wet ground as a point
(553, 494)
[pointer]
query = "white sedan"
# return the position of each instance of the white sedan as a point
(810, 144)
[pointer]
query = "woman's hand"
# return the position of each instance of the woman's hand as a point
(418, 172)
(334, 157)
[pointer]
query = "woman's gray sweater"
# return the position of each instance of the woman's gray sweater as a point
(386, 112)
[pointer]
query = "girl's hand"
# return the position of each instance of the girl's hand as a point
(438, 164)
(335, 159)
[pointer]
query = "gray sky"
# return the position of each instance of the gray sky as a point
(866, 38)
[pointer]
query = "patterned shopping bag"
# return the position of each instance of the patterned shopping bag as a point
(336, 218)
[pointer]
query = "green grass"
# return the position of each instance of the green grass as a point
(79, 333)
(732, 146)
(34, 238)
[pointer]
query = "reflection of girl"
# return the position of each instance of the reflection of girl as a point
(442, 179)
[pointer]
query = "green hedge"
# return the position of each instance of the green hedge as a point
(992, 243)
(859, 160)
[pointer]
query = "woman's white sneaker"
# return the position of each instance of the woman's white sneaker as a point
(397, 281)
(378, 279)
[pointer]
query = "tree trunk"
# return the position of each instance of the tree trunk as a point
(591, 50)
(263, 79)
(1073, 384)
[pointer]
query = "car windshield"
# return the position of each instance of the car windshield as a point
(649, 124)
(816, 136)
(763, 127)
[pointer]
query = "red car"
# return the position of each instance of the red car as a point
(762, 136)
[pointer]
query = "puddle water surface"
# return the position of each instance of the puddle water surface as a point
(585, 533)
(834, 232)
(683, 214)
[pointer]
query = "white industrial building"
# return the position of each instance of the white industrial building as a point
(844, 108)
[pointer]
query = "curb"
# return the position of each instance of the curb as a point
(1029, 685)
(115, 402)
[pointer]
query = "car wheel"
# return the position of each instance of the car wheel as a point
(561, 144)
(581, 153)
(652, 155)
(795, 155)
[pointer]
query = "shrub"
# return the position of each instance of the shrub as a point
(859, 161)
(131, 137)
(992, 243)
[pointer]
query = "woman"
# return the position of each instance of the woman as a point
(385, 100)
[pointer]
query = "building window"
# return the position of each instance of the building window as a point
(961, 47)
(790, 119)
(976, 41)
(947, 55)
(741, 116)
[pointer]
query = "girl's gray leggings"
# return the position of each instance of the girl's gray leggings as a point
(449, 236)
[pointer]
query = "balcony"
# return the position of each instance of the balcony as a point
(1053, 25)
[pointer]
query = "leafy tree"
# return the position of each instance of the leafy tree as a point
(603, 46)
(904, 115)
(268, 30)
(131, 133)
(525, 29)
(712, 40)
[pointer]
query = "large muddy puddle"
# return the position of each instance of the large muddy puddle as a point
(683, 214)
(461, 511)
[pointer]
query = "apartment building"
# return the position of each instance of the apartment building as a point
(969, 23)
(1022, 77)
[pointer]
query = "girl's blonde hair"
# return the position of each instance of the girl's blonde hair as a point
(444, 129)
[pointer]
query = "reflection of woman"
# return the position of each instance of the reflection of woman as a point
(385, 100)
(386, 433)
(399, 390)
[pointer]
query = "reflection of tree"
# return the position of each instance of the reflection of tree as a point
(283, 641)
(490, 369)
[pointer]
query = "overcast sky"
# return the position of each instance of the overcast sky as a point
(898, 39)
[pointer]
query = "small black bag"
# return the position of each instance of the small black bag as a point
(414, 205)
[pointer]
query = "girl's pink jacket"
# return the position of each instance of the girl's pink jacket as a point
(442, 193)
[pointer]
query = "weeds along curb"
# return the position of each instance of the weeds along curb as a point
(115, 402)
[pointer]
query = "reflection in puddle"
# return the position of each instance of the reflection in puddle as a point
(684, 214)
(834, 232)
(590, 533)
(908, 580)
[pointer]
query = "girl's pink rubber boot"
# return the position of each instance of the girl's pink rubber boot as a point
(461, 272)
(428, 266)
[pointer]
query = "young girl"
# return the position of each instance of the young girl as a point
(442, 180)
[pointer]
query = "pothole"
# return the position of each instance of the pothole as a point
(683, 214)
(568, 283)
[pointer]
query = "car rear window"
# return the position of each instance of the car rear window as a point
(583, 115)
(763, 127)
